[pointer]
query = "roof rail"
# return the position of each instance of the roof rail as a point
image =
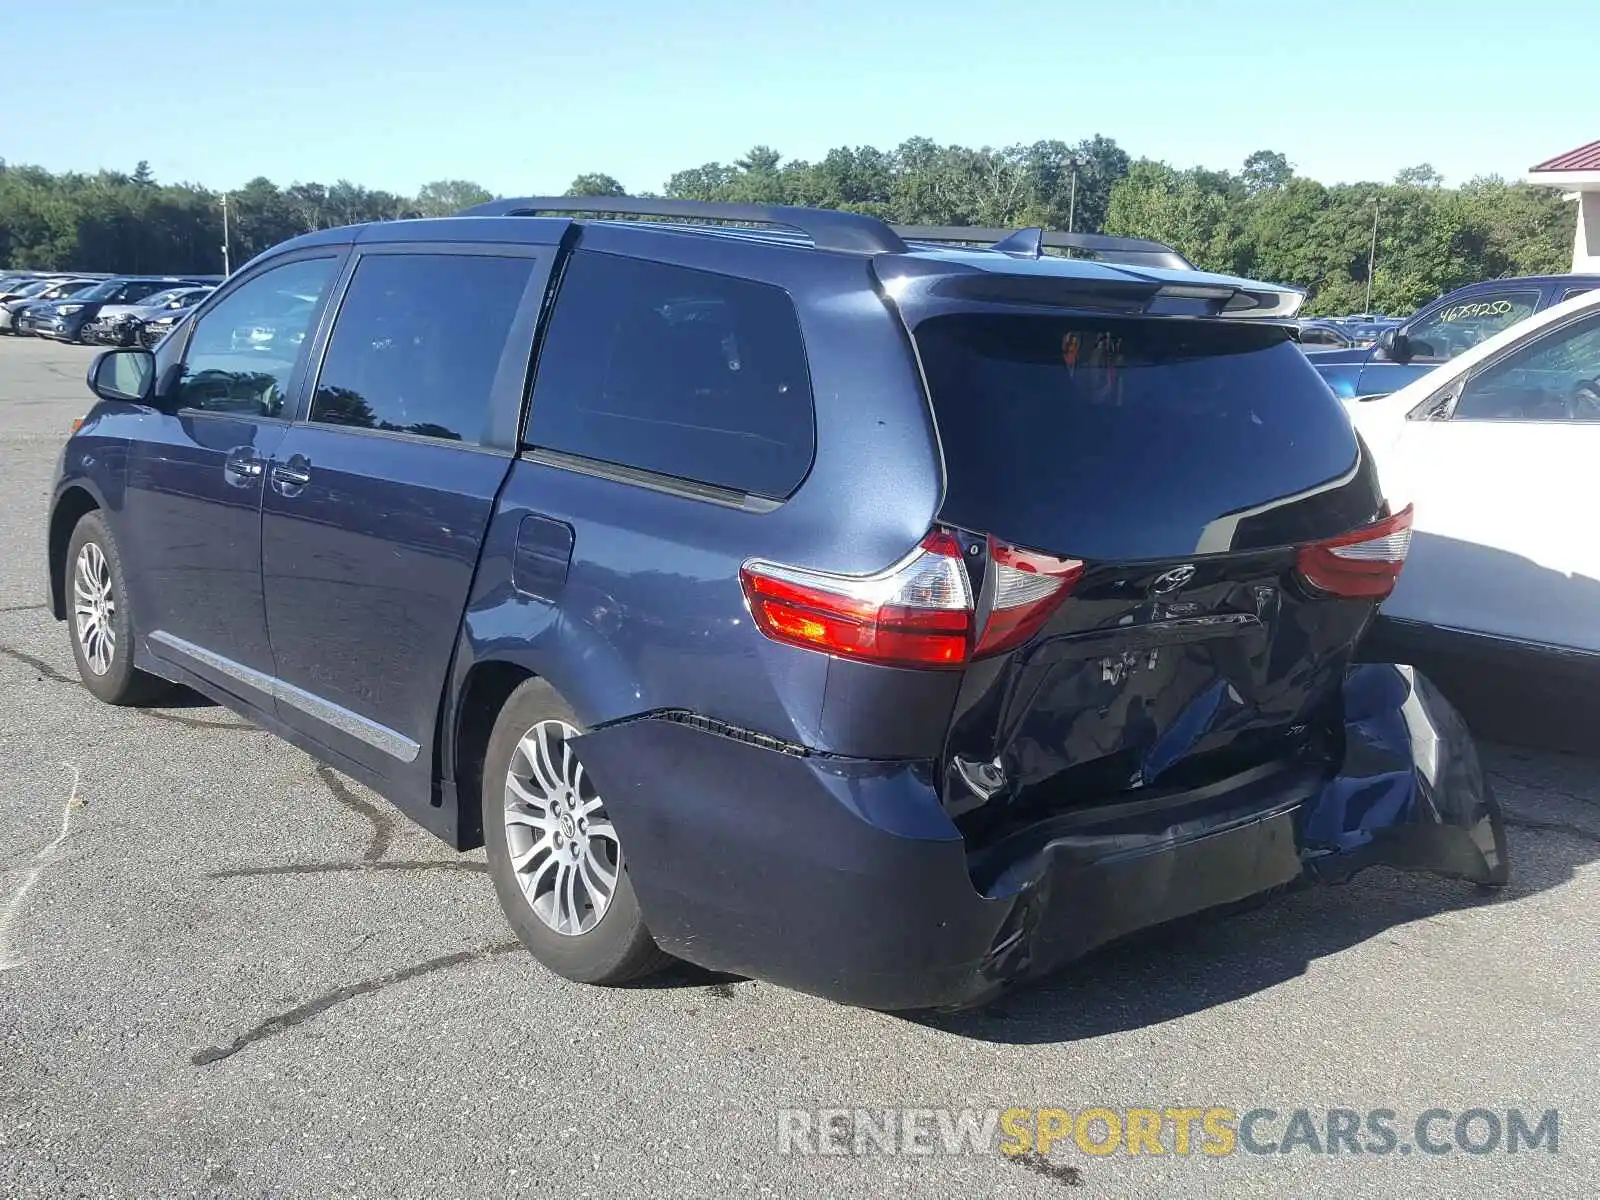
(827, 228)
(1030, 243)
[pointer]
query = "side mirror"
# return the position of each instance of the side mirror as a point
(125, 374)
(1395, 346)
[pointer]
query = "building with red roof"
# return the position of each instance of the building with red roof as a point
(1577, 172)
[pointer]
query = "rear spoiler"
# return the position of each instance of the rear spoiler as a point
(929, 285)
(1214, 295)
(1031, 243)
(1242, 297)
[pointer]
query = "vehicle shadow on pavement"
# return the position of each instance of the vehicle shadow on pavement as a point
(1215, 958)
(718, 984)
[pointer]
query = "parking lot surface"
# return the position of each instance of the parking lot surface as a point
(227, 970)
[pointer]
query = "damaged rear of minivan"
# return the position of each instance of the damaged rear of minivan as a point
(1159, 543)
(1187, 708)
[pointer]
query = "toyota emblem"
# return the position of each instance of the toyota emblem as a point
(1172, 580)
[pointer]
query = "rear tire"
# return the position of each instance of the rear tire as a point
(100, 621)
(553, 854)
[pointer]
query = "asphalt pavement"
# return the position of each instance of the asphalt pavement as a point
(228, 970)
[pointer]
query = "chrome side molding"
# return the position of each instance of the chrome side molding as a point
(381, 737)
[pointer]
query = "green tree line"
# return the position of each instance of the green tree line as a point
(1262, 220)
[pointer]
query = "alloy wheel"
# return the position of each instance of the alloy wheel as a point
(94, 608)
(563, 848)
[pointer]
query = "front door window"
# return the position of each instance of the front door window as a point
(243, 351)
(1460, 325)
(1554, 378)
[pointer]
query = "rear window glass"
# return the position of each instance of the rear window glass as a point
(1123, 439)
(675, 371)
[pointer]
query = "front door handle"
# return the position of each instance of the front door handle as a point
(288, 478)
(243, 466)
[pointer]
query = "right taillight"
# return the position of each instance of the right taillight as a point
(1362, 564)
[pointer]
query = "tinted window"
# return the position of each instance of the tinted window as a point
(242, 352)
(134, 292)
(417, 343)
(107, 290)
(1577, 291)
(676, 371)
(1461, 324)
(1123, 439)
(1554, 378)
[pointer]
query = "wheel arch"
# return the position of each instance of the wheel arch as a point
(583, 673)
(71, 506)
(483, 692)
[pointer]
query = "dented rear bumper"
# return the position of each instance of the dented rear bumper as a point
(846, 879)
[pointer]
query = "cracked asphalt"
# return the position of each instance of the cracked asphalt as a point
(230, 971)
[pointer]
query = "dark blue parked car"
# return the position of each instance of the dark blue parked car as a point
(880, 618)
(1437, 333)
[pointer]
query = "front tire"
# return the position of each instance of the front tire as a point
(99, 620)
(553, 852)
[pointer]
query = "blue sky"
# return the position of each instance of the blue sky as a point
(523, 96)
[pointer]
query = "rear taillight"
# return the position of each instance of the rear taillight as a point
(918, 613)
(1028, 587)
(1362, 564)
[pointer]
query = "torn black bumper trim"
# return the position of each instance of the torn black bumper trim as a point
(1411, 792)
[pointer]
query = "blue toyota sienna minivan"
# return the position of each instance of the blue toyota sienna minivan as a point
(884, 613)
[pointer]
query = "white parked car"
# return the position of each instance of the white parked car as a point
(1499, 452)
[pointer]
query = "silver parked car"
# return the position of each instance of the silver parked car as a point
(120, 324)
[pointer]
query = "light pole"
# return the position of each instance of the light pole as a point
(227, 268)
(1372, 255)
(1072, 198)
